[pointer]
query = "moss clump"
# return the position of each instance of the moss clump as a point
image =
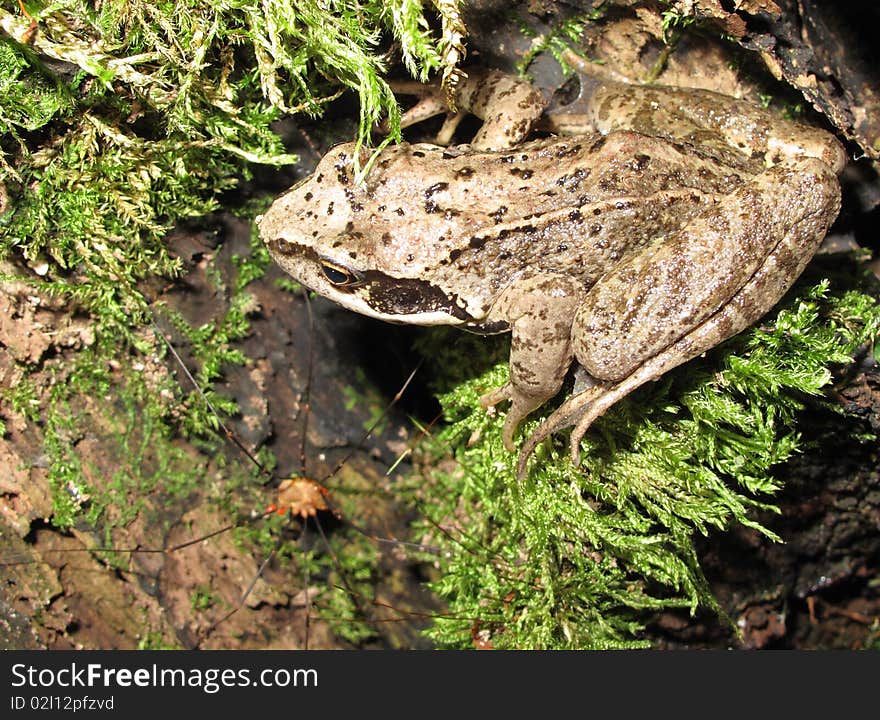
(578, 557)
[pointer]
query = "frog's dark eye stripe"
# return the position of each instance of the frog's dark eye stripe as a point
(340, 276)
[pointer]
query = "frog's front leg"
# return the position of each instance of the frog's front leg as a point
(679, 297)
(539, 311)
(508, 106)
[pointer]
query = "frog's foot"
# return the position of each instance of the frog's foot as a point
(432, 101)
(570, 413)
(508, 106)
(582, 410)
(520, 406)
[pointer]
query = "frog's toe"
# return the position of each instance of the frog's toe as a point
(498, 395)
(510, 426)
(521, 405)
(571, 413)
(511, 422)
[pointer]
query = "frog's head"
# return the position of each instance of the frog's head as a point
(320, 232)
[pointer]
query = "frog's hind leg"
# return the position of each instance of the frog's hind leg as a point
(581, 410)
(813, 211)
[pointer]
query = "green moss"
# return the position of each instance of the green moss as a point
(580, 557)
(203, 598)
(137, 431)
(155, 640)
(557, 40)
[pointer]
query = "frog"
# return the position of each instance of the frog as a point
(657, 223)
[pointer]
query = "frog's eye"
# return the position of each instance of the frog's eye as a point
(340, 276)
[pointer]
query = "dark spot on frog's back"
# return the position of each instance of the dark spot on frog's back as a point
(352, 201)
(464, 173)
(418, 153)
(435, 188)
(564, 151)
(599, 144)
(519, 129)
(280, 246)
(499, 214)
(476, 242)
(521, 173)
(640, 162)
(341, 169)
(573, 181)
(308, 196)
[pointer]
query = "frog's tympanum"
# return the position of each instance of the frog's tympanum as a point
(672, 220)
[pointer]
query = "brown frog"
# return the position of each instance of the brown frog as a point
(670, 221)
